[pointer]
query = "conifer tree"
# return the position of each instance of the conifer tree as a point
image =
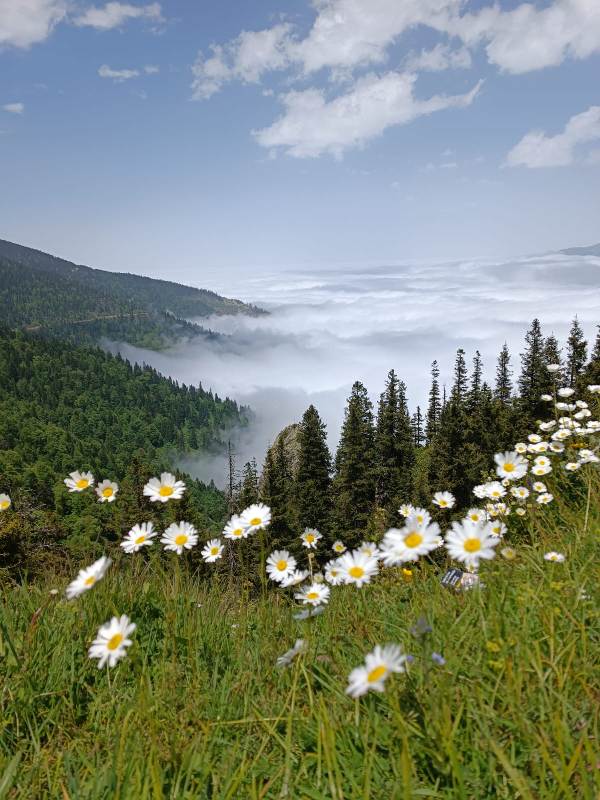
(434, 408)
(459, 388)
(576, 353)
(312, 496)
(249, 487)
(476, 379)
(591, 374)
(533, 380)
(276, 492)
(418, 433)
(504, 387)
(355, 478)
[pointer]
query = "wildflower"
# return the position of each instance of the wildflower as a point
(581, 404)
(180, 536)
(369, 549)
(546, 398)
(315, 594)
(358, 568)
(494, 490)
(165, 488)
(294, 578)
(538, 486)
(510, 465)
(539, 469)
(544, 498)
(256, 517)
(534, 438)
(542, 461)
(280, 565)
(554, 556)
(520, 448)
(520, 512)
(310, 537)
(480, 491)
(409, 543)
(5, 502)
(111, 643)
(547, 426)
(585, 457)
(583, 414)
(469, 542)
(378, 666)
(553, 367)
(333, 573)
(557, 447)
(572, 466)
(476, 515)
(422, 516)
(566, 391)
(235, 528)
(212, 551)
(286, 659)
(405, 509)
(421, 628)
(508, 553)
(594, 388)
(88, 577)
(540, 447)
(498, 528)
(407, 575)
(521, 492)
(311, 611)
(107, 491)
(79, 481)
(139, 536)
(492, 647)
(338, 547)
(438, 659)
(443, 499)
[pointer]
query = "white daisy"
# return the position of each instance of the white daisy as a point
(521, 492)
(480, 491)
(542, 461)
(5, 502)
(399, 546)
(405, 509)
(554, 556)
(256, 517)
(520, 448)
(594, 388)
(468, 542)
(508, 553)
(286, 659)
(79, 481)
(547, 398)
(557, 447)
(544, 498)
(165, 488)
(310, 537)
(333, 573)
(235, 528)
(498, 528)
(534, 438)
(520, 512)
(443, 499)
(294, 578)
(494, 490)
(510, 465)
(357, 568)
(539, 469)
(315, 594)
(112, 641)
(572, 466)
(476, 515)
(566, 391)
(369, 549)
(107, 491)
(179, 537)
(88, 577)
(338, 547)
(378, 666)
(280, 565)
(212, 551)
(421, 515)
(139, 536)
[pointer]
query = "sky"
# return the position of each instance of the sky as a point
(197, 140)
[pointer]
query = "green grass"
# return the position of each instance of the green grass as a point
(199, 710)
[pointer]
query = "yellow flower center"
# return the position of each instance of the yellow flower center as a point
(114, 641)
(413, 539)
(181, 539)
(338, 548)
(140, 539)
(108, 492)
(356, 572)
(166, 491)
(312, 595)
(472, 545)
(509, 467)
(310, 538)
(474, 517)
(443, 503)
(420, 519)
(238, 531)
(255, 521)
(82, 483)
(214, 551)
(4, 504)
(281, 565)
(90, 581)
(376, 674)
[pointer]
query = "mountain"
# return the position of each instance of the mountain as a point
(51, 296)
(592, 250)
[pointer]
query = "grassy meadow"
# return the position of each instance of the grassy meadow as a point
(198, 708)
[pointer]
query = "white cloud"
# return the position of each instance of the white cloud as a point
(26, 22)
(246, 58)
(312, 126)
(439, 58)
(14, 108)
(536, 149)
(151, 69)
(114, 14)
(117, 75)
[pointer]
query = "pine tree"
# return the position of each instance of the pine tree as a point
(504, 387)
(533, 380)
(576, 353)
(434, 408)
(276, 491)
(459, 388)
(416, 424)
(591, 374)
(312, 496)
(355, 478)
(249, 487)
(476, 379)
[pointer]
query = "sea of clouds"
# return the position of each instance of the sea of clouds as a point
(331, 326)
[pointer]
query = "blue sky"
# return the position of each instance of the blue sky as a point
(338, 132)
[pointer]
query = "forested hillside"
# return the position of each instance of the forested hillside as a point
(54, 297)
(392, 456)
(64, 408)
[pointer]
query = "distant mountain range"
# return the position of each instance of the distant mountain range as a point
(592, 250)
(51, 296)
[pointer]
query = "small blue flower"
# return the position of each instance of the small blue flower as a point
(438, 659)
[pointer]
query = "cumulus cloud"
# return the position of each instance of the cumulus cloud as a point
(27, 22)
(536, 149)
(14, 108)
(117, 75)
(114, 14)
(311, 125)
(330, 327)
(439, 58)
